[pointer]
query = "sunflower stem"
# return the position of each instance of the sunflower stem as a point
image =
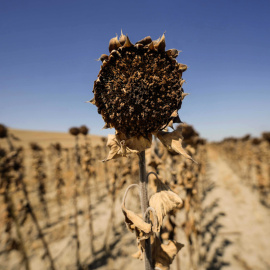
(144, 206)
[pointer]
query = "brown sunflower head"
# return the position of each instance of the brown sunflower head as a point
(35, 147)
(57, 146)
(84, 130)
(74, 131)
(266, 136)
(139, 87)
(3, 131)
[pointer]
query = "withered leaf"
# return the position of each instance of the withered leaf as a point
(134, 221)
(138, 143)
(173, 142)
(117, 148)
(162, 254)
(164, 201)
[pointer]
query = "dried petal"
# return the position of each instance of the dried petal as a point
(127, 43)
(184, 95)
(173, 53)
(122, 38)
(103, 57)
(174, 114)
(182, 67)
(160, 46)
(114, 44)
(145, 41)
(93, 101)
(151, 46)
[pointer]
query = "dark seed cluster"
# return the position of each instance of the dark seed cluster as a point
(138, 88)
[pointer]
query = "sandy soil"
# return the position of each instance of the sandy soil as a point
(238, 225)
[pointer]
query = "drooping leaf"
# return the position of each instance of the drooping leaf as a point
(173, 142)
(134, 222)
(162, 254)
(164, 201)
(117, 148)
(138, 143)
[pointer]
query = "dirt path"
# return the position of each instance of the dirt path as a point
(235, 225)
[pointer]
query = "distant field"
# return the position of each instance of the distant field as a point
(45, 138)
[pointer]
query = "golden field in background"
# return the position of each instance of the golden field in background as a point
(61, 212)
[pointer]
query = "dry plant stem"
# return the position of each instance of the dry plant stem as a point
(76, 180)
(10, 145)
(110, 224)
(9, 200)
(35, 220)
(178, 262)
(89, 208)
(89, 204)
(144, 206)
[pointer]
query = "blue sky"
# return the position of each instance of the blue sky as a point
(48, 51)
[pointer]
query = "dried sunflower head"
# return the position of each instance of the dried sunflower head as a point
(3, 131)
(139, 89)
(84, 130)
(74, 131)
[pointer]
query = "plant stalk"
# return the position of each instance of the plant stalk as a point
(144, 205)
(75, 202)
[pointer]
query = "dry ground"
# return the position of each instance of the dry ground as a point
(235, 225)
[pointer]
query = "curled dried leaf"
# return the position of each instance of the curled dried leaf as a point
(134, 222)
(162, 254)
(164, 201)
(137, 143)
(117, 148)
(173, 142)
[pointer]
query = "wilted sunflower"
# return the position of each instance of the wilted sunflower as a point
(139, 92)
(3, 131)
